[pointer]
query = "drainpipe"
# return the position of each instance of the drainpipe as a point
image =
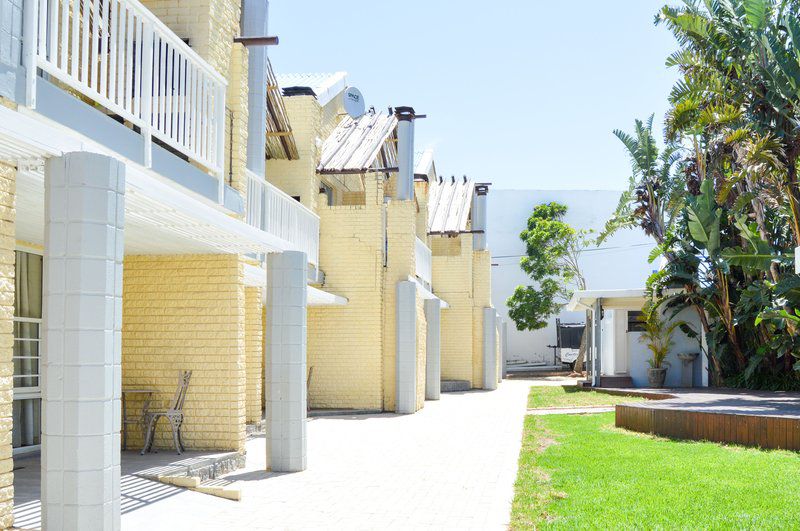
(479, 208)
(254, 24)
(405, 153)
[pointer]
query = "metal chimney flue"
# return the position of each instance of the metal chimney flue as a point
(405, 153)
(479, 216)
(255, 14)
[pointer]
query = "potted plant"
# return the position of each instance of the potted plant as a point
(658, 336)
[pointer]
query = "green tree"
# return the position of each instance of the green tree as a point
(552, 250)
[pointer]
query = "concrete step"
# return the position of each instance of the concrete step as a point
(455, 386)
(616, 381)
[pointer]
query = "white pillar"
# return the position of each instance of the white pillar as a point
(406, 356)
(499, 330)
(285, 361)
(433, 361)
(489, 349)
(82, 351)
(504, 347)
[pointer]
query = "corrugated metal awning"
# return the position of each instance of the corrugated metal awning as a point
(449, 205)
(359, 145)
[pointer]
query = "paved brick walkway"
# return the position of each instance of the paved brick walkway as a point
(450, 466)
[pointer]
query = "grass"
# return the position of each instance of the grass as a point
(580, 472)
(573, 396)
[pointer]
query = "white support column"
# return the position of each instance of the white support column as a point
(433, 363)
(285, 361)
(498, 325)
(489, 349)
(406, 356)
(504, 347)
(82, 351)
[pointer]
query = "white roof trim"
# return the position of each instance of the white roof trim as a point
(425, 293)
(425, 163)
(585, 299)
(205, 222)
(318, 297)
(332, 86)
(257, 277)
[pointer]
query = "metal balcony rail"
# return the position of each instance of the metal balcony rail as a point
(279, 214)
(119, 55)
(424, 261)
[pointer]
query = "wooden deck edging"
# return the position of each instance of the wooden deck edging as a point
(772, 432)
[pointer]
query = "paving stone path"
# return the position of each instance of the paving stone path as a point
(450, 466)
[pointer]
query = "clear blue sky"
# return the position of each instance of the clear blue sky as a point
(524, 94)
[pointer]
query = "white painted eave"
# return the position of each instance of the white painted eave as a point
(154, 204)
(425, 293)
(318, 297)
(256, 276)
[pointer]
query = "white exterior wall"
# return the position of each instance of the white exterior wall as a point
(621, 264)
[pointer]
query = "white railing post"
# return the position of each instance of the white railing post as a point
(219, 101)
(147, 93)
(30, 41)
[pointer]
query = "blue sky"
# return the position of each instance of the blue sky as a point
(524, 94)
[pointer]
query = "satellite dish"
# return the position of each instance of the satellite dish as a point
(353, 102)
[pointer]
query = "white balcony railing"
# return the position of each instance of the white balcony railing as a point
(424, 261)
(121, 56)
(272, 211)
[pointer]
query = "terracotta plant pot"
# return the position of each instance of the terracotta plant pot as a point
(656, 377)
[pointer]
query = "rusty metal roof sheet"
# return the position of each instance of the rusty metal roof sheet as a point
(280, 140)
(449, 205)
(360, 145)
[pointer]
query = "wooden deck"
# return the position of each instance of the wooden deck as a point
(765, 420)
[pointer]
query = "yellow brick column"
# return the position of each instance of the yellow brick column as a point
(453, 282)
(7, 218)
(187, 312)
(482, 298)
(345, 342)
(254, 347)
(400, 234)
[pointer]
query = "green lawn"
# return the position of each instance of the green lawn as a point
(580, 472)
(571, 395)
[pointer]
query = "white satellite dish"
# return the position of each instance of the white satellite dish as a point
(353, 102)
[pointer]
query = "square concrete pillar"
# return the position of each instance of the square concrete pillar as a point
(433, 360)
(504, 347)
(82, 351)
(285, 361)
(406, 358)
(489, 349)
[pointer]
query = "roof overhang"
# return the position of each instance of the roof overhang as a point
(256, 276)
(427, 294)
(162, 217)
(610, 298)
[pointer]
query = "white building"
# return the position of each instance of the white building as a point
(619, 263)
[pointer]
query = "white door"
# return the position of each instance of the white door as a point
(621, 342)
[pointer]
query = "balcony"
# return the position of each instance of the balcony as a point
(272, 211)
(424, 262)
(117, 55)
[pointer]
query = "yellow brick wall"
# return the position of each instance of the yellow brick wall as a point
(236, 116)
(345, 342)
(7, 241)
(188, 313)
(421, 197)
(422, 334)
(311, 125)
(452, 281)
(482, 298)
(400, 230)
(299, 177)
(254, 352)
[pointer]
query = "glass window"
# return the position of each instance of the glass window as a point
(26, 410)
(635, 321)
